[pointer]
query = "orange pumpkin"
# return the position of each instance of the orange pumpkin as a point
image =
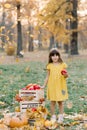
(18, 121)
(15, 119)
(25, 119)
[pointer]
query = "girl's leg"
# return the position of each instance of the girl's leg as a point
(61, 109)
(52, 107)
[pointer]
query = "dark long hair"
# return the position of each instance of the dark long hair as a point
(54, 51)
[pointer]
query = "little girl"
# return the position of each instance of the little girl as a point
(56, 82)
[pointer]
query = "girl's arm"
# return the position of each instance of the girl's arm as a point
(47, 77)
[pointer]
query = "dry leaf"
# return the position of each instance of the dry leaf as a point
(17, 60)
(69, 104)
(7, 5)
(85, 125)
(75, 123)
(2, 103)
(27, 69)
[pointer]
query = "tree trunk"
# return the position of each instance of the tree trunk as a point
(66, 48)
(74, 26)
(19, 33)
(51, 42)
(66, 45)
(40, 38)
(31, 46)
(3, 31)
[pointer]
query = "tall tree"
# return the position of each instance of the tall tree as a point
(24, 12)
(51, 41)
(40, 38)
(3, 30)
(30, 47)
(66, 45)
(19, 31)
(74, 27)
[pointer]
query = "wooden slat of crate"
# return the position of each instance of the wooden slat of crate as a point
(36, 93)
(25, 104)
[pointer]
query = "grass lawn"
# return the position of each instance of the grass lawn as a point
(15, 77)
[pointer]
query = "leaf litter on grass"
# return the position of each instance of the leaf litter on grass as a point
(14, 77)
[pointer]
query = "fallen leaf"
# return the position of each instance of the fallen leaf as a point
(75, 123)
(17, 60)
(27, 69)
(85, 125)
(2, 103)
(69, 104)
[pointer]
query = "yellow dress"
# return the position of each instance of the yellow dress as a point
(56, 86)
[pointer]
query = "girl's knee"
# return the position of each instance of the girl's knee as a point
(53, 102)
(60, 102)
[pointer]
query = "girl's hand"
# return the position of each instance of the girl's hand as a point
(65, 75)
(42, 87)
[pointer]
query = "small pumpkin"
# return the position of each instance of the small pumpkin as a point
(15, 119)
(18, 121)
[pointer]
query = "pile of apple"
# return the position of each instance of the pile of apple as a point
(32, 87)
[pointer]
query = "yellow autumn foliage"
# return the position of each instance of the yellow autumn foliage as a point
(53, 17)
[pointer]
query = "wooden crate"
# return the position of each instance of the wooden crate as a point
(36, 94)
(27, 104)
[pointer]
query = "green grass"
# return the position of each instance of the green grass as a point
(14, 77)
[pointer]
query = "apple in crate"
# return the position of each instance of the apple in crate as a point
(34, 87)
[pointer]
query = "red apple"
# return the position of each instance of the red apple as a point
(36, 87)
(63, 72)
(34, 109)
